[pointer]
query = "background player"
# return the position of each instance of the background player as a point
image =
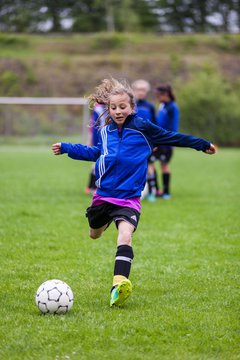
(98, 117)
(168, 119)
(146, 110)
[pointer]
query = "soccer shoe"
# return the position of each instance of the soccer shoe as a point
(166, 196)
(121, 292)
(151, 197)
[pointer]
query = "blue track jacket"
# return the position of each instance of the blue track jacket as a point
(146, 110)
(121, 158)
(168, 116)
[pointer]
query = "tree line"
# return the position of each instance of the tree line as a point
(161, 16)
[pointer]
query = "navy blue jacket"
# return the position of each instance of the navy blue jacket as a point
(121, 157)
(168, 116)
(146, 110)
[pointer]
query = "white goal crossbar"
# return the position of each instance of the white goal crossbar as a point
(51, 101)
(43, 101)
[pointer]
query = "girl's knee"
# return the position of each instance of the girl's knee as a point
(94, 234)
(97, 233)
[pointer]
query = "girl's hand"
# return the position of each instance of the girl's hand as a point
(212, 150)
(56, 148)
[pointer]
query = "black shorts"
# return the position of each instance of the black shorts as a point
(162, 153)
(103, 214)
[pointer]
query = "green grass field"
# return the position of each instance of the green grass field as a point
(185, 303)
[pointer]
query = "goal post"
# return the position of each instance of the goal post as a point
(53, 101)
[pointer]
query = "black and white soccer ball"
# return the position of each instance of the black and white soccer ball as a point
(54, 297)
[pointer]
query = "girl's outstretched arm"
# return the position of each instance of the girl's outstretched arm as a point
(78, 151)
(56, 148)
(159, 136)
(212, 150)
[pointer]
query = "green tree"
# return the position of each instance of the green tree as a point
(196, 16)
(172, 14)
(89, 16)
(119, 15)
(19, 15)
(111, 15)
(236, 8)
(126, 16)
(223, 8)
(147, 16)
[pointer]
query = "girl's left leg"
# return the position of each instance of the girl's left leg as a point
(166, 179)
(151, 179)
(91, 182)
(125, 231)
(122, 287)
(97, 233)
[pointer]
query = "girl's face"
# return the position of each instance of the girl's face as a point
(140, 93)
(120, 108)
(163, 97)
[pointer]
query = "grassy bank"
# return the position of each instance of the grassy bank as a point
(203, 69)
(73, 59)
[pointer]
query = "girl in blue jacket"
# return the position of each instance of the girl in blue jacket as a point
(97, 111)
(168, 119)
(146, 110)
(121, 156)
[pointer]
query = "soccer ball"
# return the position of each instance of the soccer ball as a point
(54, 297)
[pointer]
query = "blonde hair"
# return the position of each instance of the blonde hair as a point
(141, 84)
(105, 90)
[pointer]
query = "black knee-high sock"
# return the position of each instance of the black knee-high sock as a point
(92, 181)
(166, 183)
(156, 180)
(123, 262)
